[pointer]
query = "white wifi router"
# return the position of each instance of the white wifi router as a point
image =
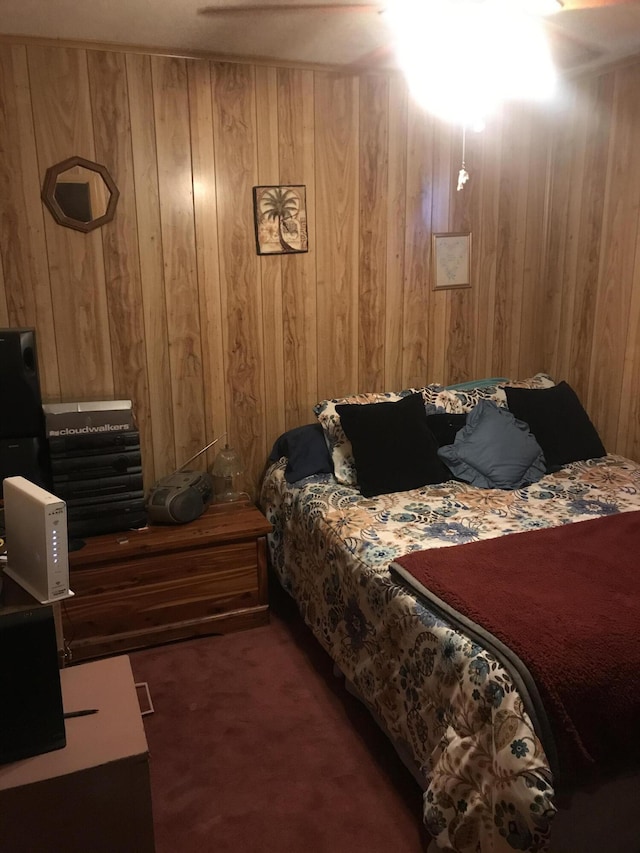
(35, 524)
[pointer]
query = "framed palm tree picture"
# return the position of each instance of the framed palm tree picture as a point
(280, 215)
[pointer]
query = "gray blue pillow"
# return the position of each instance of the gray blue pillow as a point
(494, 450)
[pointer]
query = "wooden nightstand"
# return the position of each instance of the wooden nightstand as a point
(168, 582)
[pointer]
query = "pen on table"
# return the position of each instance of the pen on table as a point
(85, 713)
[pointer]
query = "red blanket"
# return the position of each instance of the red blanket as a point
(566, 600)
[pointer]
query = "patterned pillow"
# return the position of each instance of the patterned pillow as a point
(344, 468)
(458, 401)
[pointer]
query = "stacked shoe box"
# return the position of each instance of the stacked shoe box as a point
(96, 465)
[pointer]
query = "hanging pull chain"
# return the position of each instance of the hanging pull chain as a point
(463, 175)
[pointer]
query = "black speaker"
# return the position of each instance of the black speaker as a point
(31, 712)
(25, 457)
(20, 400)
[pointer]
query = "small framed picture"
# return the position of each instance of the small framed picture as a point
(451, 261)
(280, 214)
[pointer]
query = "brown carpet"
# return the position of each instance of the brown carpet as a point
(256, 746)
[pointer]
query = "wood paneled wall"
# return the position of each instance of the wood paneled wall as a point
(170, 305)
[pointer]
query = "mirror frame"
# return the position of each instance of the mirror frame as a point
(49, 198)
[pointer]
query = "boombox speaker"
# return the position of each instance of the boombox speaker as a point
(179, 498)
(20, 401)
(182, 496)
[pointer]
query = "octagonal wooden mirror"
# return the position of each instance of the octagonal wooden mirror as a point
(80, 194)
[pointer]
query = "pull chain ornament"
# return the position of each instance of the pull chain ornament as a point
(463, 175)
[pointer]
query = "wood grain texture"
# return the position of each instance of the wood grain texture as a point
(175, 185)
(112, 130)
(27, 293)
(460, 341)
(234, 121)
(207, 253)
(485, 244)
(620, 227)
(394, 233)
(512, 223)
(169, 582)
(161, 449)
(337, 229)
(416, 291)
(374, 179)
(557, 294)
(169, 304)
(296, 131)
(443, 166)
(271, 267)
(531, 329)
(61, 103)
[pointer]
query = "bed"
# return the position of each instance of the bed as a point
(455, 708)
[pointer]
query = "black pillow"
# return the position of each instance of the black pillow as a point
(445, 426)
(306, 451)
(558, 421)
(393, 448)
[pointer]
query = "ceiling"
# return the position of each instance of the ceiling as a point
(342, 36)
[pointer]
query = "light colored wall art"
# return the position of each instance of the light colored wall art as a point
(281, 219)
(451, 260)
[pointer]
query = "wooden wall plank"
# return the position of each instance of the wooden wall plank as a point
(270, 267)
(461, 341)
(395, 231)
(373, 182)
(512, 241)
(207, 255)
(23, 253)
(161, 448)
(609, 341)
(336, 109)
(628, 437)
(62, 116)
(485, 243)
(296, 128)
(171, 105)
(417, 293)
(565, 201)
(581, 278)
(234, 112)
(440, 223)
(112, 130)
(529, 348)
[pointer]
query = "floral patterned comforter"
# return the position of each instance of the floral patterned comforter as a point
(442, 698)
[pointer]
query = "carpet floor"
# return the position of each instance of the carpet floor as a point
(256, 746)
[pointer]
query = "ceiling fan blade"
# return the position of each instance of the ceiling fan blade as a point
(290, 7)
(570, 5)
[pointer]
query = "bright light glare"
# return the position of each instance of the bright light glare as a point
(462, 58)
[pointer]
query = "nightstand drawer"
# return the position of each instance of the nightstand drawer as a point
(168, 583)
(128, 575)
(186, 596)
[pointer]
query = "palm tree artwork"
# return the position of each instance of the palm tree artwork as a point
(281, 219)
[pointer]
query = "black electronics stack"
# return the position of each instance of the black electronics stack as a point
(96, 465)
(23, 446)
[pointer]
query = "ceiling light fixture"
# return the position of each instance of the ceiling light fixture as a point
(463, 58)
